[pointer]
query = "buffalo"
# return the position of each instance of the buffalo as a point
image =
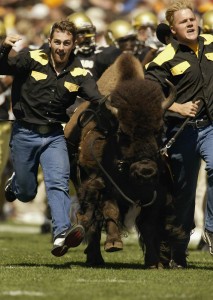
(120, 176)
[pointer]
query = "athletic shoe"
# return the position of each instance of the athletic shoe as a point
(208, 238)
(9, 194)
(68, 239)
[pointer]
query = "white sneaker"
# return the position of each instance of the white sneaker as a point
(9, 194)
(69, 239)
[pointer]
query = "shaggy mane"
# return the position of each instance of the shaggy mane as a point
(125, 67)
(139, 106)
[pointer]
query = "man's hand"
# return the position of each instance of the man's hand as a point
(188, 109)
(11, 40)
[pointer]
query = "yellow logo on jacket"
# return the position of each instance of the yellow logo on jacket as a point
(208, 38)
(78, 72)
(209, 56)
(39, 56)
(180, 68)
(71, 86)
(38, 75)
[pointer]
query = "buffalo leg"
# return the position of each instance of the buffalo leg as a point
(149, 238)
(111, 215)
(93, 250)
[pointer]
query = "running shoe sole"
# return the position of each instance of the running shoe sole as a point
(59, 251)
(73, 238)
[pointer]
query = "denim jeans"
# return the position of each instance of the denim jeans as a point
(185, 158)
(28, 150)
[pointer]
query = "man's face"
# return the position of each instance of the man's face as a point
(185, 26)
(128, 44)
(61, 46)
(145, 32)
(86, 41)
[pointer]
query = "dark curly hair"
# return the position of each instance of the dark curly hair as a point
(64, 26)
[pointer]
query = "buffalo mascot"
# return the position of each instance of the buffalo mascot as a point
(119, 174)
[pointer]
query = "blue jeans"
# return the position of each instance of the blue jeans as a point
(185, 158)
(28, 150)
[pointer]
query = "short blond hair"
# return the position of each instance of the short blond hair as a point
(176, 6)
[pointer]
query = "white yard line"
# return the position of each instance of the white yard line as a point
(23, 293)
(144, 296)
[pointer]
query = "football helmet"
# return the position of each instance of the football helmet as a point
(85, 32)
(207, 22)
(145, 23)
(121, 34)
(145, 19)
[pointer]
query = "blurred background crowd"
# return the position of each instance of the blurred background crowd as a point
(32, 20)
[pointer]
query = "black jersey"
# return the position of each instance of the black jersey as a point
(107, 55)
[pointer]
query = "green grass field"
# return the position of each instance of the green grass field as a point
(29, 271)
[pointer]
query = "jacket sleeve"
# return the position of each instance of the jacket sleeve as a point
(4, 67)
(159, 74)
(4, 51)
(89, 89)
(13, 65)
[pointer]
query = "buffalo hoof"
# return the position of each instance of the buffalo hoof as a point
(95, 262)
(93, 257)
(113, 246)
(154, 267)
(158, 266)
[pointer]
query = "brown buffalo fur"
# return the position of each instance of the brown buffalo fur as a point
(114, 74)
(140, 118)
(117, 72)
(138, 100)
(135, 99)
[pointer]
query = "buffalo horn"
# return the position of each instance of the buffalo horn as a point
(171, 98)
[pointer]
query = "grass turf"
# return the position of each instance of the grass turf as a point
(29, 271)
